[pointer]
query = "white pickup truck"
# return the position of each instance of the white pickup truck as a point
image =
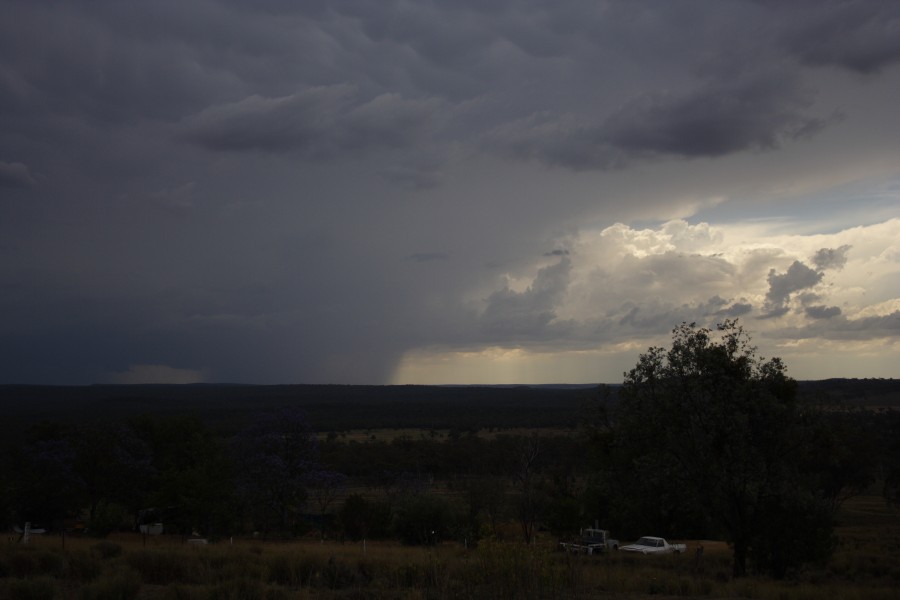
(591, 541)
(654, 545)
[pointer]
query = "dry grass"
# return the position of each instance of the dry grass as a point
(126, 567)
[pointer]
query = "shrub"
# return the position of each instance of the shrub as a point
(21, 563)
(240, 589)
(176, 591)
(283, 570)
(109, 518)
(27, 562)
(83, 566)
(338, 574)
(162, 567)
(40, 588)
(123, 584)
(422, 520)
(50, 563)
(106, 549)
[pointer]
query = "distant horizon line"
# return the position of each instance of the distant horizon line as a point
(492, 385)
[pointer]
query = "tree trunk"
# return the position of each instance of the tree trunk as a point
(739, 569)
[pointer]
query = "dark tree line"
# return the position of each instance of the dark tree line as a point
(704, 439)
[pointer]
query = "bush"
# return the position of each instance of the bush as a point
(106, 549)
(162, 567)
(422, 520)
(177, 591)
(109, 518)
(123, 584)
(27, 562)
(41, 588)
(20, 563)
(283, 570)
(241, 589)
(359, 518)
(83, 566)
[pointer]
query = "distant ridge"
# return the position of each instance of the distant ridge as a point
(342, 407)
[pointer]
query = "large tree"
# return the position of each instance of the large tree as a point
(193, 479)
(709, 431)
(277, 456)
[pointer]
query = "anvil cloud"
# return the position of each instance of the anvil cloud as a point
(416, 191)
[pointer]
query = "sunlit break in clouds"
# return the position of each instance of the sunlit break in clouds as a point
(443, 192)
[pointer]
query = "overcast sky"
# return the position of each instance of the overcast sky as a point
(444, 191)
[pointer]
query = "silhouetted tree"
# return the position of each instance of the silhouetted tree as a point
(276, 456)
(47, 488)
(526, 482)
(422, 519)
(115, 466)
(324, 488)
(707, 426)
(361, 518)
(890, 463)
(193, 475)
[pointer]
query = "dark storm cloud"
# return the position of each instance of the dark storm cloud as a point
(714, 120)
(822, 312)
(530, 312)
(859, 35)
(738, 309)
(287, 190)
(15, 174)
(781, 286)
(322, 122)
(413, 174)
(831, 258)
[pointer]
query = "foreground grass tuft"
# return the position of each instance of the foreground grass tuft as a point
(40, 588)
(122, 584)
(864, 568)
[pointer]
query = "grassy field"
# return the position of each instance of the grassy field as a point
(125, 566)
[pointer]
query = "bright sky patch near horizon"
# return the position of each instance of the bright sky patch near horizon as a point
(417, 191)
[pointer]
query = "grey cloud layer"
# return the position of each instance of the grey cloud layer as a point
(281, 190)
(319, 123)
(15, 175)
